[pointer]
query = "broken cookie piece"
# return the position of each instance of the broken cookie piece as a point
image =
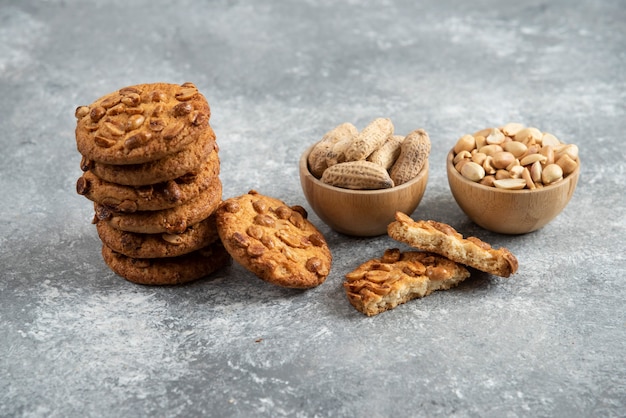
(383, 283)
(442, 239)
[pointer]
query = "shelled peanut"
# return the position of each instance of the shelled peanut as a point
(374, 158)
(514, 157)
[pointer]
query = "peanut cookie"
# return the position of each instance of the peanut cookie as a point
(274, 241)
(168, 271)
(141, 123)
(442, 239)
(158, 171)
(158, 196)
(171, 221)
(136, 245)
(383, 283)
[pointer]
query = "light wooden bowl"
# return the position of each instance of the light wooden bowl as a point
(510, 211)
(363, 213)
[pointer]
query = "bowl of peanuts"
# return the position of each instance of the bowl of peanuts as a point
(356, 181)
(512, 179)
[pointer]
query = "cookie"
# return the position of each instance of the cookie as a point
(383, 283)
(273, 241)
(141, 123)
(158, 171)
(442, 239)
(172, 221)
(136, 245)
(168, 271)
(158, 196)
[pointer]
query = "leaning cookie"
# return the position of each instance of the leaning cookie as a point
(383, 283)
(172, 221)
(136, 245)
(168, 271)
(442, 239)
(274, 241)
(169, 194)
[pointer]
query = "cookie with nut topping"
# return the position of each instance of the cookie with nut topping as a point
(141, 123)
(165, 195)
(136, 245)
(170, 270)
(172, 221)
(167, 168)
(442, 239)
(274, 241)
(381, 284)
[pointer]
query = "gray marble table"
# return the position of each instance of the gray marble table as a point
(76, 340)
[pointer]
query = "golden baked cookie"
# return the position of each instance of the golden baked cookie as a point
(169, 194)
(167, 168)
(168, 271)
(442, 239)
(172, 221)
(136, 245)
(274, 241)
(383, 283)
(141, 123)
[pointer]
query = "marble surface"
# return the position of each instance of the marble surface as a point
(76, 340)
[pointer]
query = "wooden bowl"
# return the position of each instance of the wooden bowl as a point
(510, 211)
(363, 213)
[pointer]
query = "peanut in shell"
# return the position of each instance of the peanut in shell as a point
(413, 155)
(318, 161)
(357, 175)
(387, 153)
(369, 139)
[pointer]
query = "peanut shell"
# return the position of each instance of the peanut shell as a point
(369, 139)
(357, 175)
(387, 154)
(413, 155)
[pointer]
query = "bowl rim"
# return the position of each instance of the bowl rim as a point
(304, 169)
(451, 169)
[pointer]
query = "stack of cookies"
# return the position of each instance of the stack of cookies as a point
(151, 167)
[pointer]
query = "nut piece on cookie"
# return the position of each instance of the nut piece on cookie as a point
(383, 283)
(274, 241)
(442, 239)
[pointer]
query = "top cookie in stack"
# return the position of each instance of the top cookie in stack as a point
(151, 167)
(142, 123)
